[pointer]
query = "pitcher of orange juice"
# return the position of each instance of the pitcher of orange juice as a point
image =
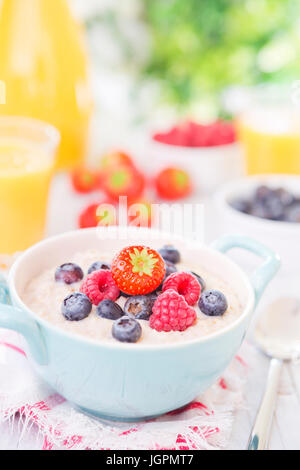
(43, 64)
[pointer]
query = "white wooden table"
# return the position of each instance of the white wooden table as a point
(285, 431)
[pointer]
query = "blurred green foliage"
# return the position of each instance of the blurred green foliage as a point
(201, 46)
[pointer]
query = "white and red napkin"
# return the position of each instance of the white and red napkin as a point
(205, 423)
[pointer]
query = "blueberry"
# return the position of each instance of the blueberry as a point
(69, 273)
(109, 309)
(274, 207)
(140, 306)
(169, 253)
(200, 280)
(127, 330)
(258, 210)
(241, 205)
(262, 193)
(99, 265)
(170, 269)
(76, 307)
(292, 213)
(213, 303)
(285, 196)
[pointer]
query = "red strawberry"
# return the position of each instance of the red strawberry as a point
(123, 181)
(87, 217)
(173, 183)
(171, 313)
(138, 270)
(140, 214)
(84, 180)
(100, 214)
(115, 159)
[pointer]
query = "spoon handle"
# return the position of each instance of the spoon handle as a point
(260, 433)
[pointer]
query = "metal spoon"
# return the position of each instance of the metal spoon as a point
(277, 334)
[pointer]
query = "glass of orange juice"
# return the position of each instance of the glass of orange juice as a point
(269, 130)
(27, 159)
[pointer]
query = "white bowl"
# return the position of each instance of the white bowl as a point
(283, 237)
(209, 167)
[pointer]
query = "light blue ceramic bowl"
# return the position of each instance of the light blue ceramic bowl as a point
(131, 381)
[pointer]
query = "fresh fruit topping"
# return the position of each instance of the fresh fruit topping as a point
(171, 313)
(138, 270)
(98, 214)
(99, 286)
(186, 285)
(213, 303)
(99, 265)
(84, 180)
(200, 280)
(69, 273)
(173, 183)
(170, 254)
(127, 330)
(192, 134)
(123, 181)
(139, 306)
(110, 310)
(76, 307)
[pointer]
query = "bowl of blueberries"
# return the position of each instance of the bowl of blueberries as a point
(265, 207)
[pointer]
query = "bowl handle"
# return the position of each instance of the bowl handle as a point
(265, 273)
(13, 318)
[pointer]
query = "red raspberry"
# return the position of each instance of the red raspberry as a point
(171, 313)
(185, 284)
(99, 286)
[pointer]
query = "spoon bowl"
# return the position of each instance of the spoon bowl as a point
(277, 334)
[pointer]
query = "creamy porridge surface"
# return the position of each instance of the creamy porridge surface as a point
(44, 297)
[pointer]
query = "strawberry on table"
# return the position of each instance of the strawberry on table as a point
(94, 216)
(173, 183)
(115, 159)
(87, 217)
(138, 270)
(84, 180)
(123, 181)
(140, 213)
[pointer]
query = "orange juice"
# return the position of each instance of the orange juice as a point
(271, 140)
(43, 63)
(26, 167)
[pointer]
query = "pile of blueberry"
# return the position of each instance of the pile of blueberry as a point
(126, 327)
(270, 203)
